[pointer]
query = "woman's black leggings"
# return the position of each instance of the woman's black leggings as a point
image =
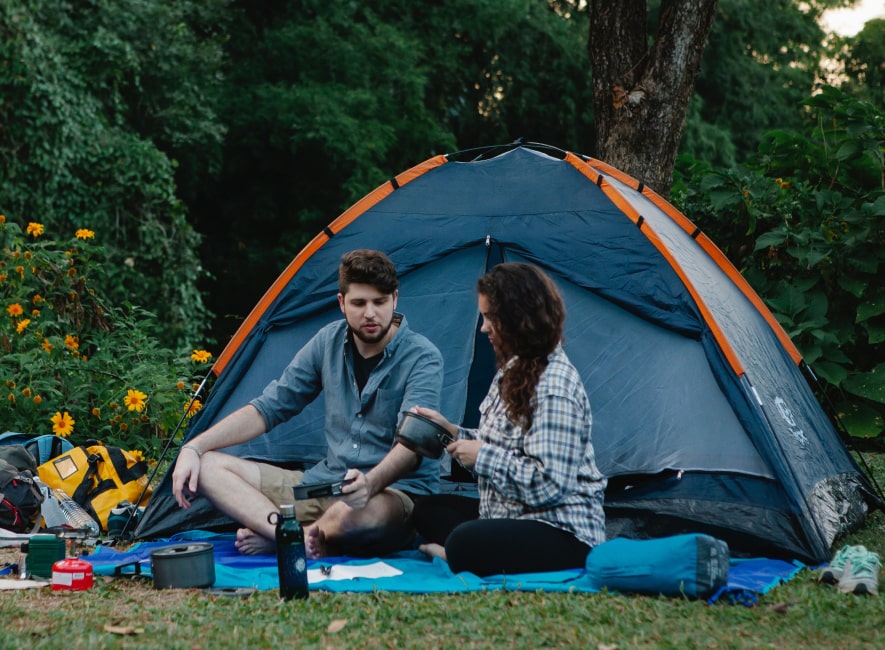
(494, 546)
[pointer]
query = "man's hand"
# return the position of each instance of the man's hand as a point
(185, 476)
(357, 493)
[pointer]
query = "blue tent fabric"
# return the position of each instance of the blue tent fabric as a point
(702, 419)
(748, 579)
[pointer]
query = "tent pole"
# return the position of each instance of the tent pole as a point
(163, 453)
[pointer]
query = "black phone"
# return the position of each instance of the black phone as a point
(316, 490)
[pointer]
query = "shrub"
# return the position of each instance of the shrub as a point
(805, 223)
(74, 365)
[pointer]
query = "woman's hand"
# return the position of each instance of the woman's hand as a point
(437, 417)
(465, 452)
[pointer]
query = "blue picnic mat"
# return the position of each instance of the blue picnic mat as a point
(416, 573)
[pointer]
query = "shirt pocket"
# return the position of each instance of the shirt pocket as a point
(384, 410)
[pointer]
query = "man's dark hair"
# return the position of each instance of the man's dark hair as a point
(366, 266)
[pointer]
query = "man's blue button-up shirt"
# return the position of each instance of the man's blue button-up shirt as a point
(359, 427)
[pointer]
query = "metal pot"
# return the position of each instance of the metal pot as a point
(422, 435)
(184, 566)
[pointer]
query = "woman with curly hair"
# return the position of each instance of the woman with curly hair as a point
(540, 493)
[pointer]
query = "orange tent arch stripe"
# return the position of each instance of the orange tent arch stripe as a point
(340, 223)
(631, 214)
(713, 251)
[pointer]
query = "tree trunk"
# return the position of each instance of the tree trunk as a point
(641, 90)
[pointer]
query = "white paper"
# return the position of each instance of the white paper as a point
(350, 571)
(15, 583)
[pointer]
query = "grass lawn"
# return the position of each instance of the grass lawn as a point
(129, 613)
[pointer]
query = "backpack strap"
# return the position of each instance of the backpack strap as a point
(82, 492)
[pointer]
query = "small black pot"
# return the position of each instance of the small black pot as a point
(184, 566)
(422, 435)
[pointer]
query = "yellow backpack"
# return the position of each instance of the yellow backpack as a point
(98, 478)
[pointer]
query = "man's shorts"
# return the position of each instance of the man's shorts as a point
(276, 485)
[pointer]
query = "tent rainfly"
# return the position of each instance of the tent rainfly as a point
(703, 418)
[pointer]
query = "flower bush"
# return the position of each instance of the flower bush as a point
(75, 366)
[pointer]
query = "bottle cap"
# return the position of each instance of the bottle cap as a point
(287, 510)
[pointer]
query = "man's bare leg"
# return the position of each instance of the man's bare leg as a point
(343, 526)
(232, 485)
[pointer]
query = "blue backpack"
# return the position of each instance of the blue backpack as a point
(41, 447)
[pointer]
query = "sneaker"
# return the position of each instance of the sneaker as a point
(124, 516)
(831, 573)
(861, 574)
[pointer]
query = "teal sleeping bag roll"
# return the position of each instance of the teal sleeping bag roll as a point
(691, 565)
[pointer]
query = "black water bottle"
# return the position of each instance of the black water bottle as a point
(291, 560)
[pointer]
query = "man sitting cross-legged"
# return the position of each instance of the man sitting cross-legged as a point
(370, 367)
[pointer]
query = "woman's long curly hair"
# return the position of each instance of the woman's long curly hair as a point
(528, 315)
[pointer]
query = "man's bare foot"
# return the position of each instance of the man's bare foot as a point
(433, 550)
(314, 542)
(251, 543)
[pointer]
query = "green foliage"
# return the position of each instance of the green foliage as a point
(805, 223)
(326, 100)
(67, 354)
(864, 59)
(747, 58)
(98, 99)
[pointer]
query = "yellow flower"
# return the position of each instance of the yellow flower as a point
(11, 398)
(72, 272)
(201, 356)
(136, 454)
(2, 218)
(35, 313)
(28, 255)
(2, 278)
(21, 271)
(26, 391)
(15, 309)
(84, 233)
(96, 412)
(72, 342)
(10, 383)
(124, 426)
(62, 424)
(135, 400)
(46, 345)
(22, 325)
(180, 385)
(35, 229)
(192, 407)
(38, 299)
(38, 400)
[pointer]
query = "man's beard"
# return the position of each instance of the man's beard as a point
(371, 340)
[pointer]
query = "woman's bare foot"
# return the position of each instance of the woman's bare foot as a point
(433, 550)
(314, 542)
(251, 543)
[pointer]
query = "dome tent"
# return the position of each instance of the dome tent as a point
(702, 418)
